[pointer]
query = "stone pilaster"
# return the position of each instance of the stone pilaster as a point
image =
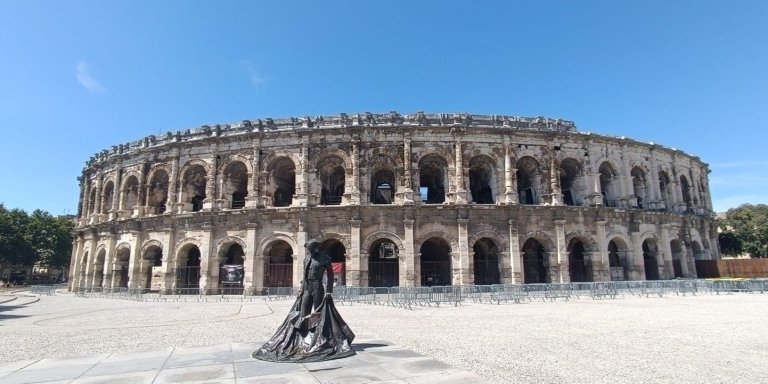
(173, 202)
(515, 258)
(461, 191)
(255, 176)
(209, 203)
(353, 254)
(600, 265)
(559, 268)
(409, 270)
(464, 270)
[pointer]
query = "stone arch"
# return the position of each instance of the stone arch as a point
(100, 249)
(685, 189)
(434, 178)
(318, 158)
(542, 237)
(234, 158)
(651, 257)
(678, 256)
(280, 183)
(640, 184)
(528, 176)
(158, 186)
(619, 253)
(129, 191)
(571, 181)
(235, 175)
(486, 255)
(223, 244)
(384, 179)
(435, 260)
(343, 239)
(107, 195)
(378, 235)
(183, 245)
(535, 261)
(193, 183)
(278, 261)
(580, 248)
(500, 240)
(483, 179)
(264, 244)
(610, 182)
(665, 188)
(334, 177)
(452, 242)
(150, 243)
(121, 259)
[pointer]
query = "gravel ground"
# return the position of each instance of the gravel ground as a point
(697, 339)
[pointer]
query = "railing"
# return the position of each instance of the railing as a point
(409, 297)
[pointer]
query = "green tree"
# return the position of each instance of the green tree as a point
(15, 248)
(51, 238)
(749, 225)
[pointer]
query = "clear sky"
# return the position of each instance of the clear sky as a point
(77, 77)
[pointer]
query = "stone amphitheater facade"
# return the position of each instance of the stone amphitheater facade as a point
(409, 200)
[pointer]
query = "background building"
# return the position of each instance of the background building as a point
(419, 199)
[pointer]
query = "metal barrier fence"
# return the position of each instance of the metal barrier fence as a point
(409, 297)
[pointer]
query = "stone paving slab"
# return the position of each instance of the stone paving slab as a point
(376, 362)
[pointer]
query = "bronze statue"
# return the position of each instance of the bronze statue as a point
(313, 329)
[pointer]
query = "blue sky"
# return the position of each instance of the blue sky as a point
(77, 77)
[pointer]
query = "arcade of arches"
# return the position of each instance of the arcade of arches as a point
(385, 263)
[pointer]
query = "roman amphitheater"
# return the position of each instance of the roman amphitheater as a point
(396, 200)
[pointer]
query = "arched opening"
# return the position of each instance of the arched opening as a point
(383, 264)
(678, 257)
(83, 270)
(617, 259)
(236, 184)
(570, 172)
(665, 189)
(279, 269)
(486, 262)
(232, 270)
(92, 202)
(337, 252)
(535, 263)
(194, 182)
(332, 177)
(435, 262)
(283, 175)
(528, 180)
(703, 192)
(482, 180)
(608, 184)
(383, 187)
(188, 272)
(122, 262)
(579, 263)
(98, 269)
(153, 259)
(686, 189)
(639, 185)
(158, 192)
(130, 194)
(109, 195)
(698, 253)
(650, 252)
(432, 170)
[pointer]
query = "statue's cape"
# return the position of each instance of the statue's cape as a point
(323, 335)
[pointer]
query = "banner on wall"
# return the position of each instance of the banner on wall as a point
(231, 274)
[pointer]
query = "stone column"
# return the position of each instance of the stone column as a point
(172, 202)
(464, 260)
(86, 276)
(515, 259)
(559, 271)
(407, 187)
(655, 199)
(303, 195)
(298, 260)
(353, 254)
(510, 194)
(170, 262)
(630, 200)
(136, 267)
(253, 263)
(636, 268)
(108, 266)
(253, 177)
(209, 203)
(209, 263)
(600, 263)
(664, 255)
(354, 195)
(409, 270)
(74, 266)
(554, 182)
(97, 211)
(461, 191)
(117, 195)
(86, 205)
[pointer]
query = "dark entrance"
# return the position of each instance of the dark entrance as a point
(231, 271)
(486, 262)
(279, 271)
(188, 274)
(649, 259)
(383, 264)
(435, 262)
(535, 263)
(337, 252)
(579, 266)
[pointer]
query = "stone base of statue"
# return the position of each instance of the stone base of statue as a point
(321, 335)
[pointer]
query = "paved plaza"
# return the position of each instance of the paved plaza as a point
(692, 339)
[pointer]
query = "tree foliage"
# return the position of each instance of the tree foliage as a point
(748, 225)
(40, 237)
